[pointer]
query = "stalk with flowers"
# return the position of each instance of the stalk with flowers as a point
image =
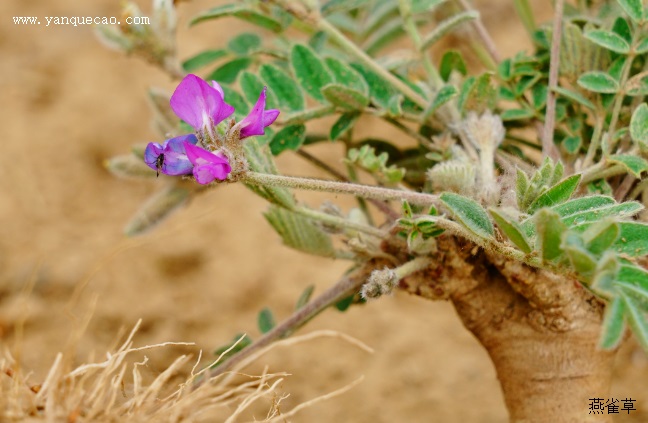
(521, 200)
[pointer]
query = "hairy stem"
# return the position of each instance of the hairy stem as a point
(548, 147)
(483, 34)
(380, 205)
(365, 191)
(339, 222)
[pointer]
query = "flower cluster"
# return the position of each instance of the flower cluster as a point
(203, 107)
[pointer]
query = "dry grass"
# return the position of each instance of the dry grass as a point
(117, 389)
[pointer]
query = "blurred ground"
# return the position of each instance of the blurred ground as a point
(67, 104)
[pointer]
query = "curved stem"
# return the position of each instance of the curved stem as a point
(343, 288)
(365, 191)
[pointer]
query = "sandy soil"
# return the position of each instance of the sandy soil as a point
(67, 104)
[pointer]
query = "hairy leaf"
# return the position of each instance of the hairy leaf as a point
(288, 94)
(608, 40)
(556, 195)
(312, 75)
(598, 82)
(299, 232)
(265, 320)
(345, 97)
(634, 9)
(241, 11)
(288, 138)
(343, 125)
(160, 206)
(549, 231)
(613, 324)
(227, 72)
(512, 230)
(639, 125)
(469, 213)
(203, 59)
(633, 164)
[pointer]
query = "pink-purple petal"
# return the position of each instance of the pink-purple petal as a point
(196, 102)
(269, 116)
(258, 118)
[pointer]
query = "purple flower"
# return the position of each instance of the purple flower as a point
(170, 157)
(255, 122)
(199, 104)
(207, 165)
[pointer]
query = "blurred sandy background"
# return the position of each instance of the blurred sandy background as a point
(67, 104)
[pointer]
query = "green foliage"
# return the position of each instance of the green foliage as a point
(365, 157)
(512, 229)
(288, 138)
(203, 59)
(469, 213)
(311, 72)
(300, 233)
(265, 320)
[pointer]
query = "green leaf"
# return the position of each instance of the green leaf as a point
(345, 97)
(583, 204)
(637, 321)
(639, 125)
(633, 239)
(633, 8)
(617, 210)
(265, 320)
(512, 230)
(300, 233)
(380, 91)
(556, 195)
(288, 94)
(581, 260)
(600, 237)
(244, 43)
(240, 11)
(572, 145)
(575, 96)
(156, 209)
(613, 324)
(622, 27)
(343, 125)
(310, 71)
(252, 85)
(346, 75)
(633, 164)
(203, 59)
(241, 108)
(469, 213)
(549, 229)
(608, 40)
(288, 138)
(305, 297)
(452, 61)
(598, 82)
(642, 47)
(477, 94)
(345, 303)
(517, 114)
(446, 26)
(227, 73)
(445, 94)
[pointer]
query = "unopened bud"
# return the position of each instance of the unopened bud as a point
(381, 282)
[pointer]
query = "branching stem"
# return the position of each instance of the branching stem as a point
(548, 147)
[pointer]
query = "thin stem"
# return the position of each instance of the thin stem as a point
(618, 101)
(366, 191)
(636, 192)
(483, 34)
(595, 172)
(380, 205)
(306, 115)
(548, 147)
(343, 288)
(418, 137)
(340, 222)
(412, 30)
(595, 143)
(622, 190)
